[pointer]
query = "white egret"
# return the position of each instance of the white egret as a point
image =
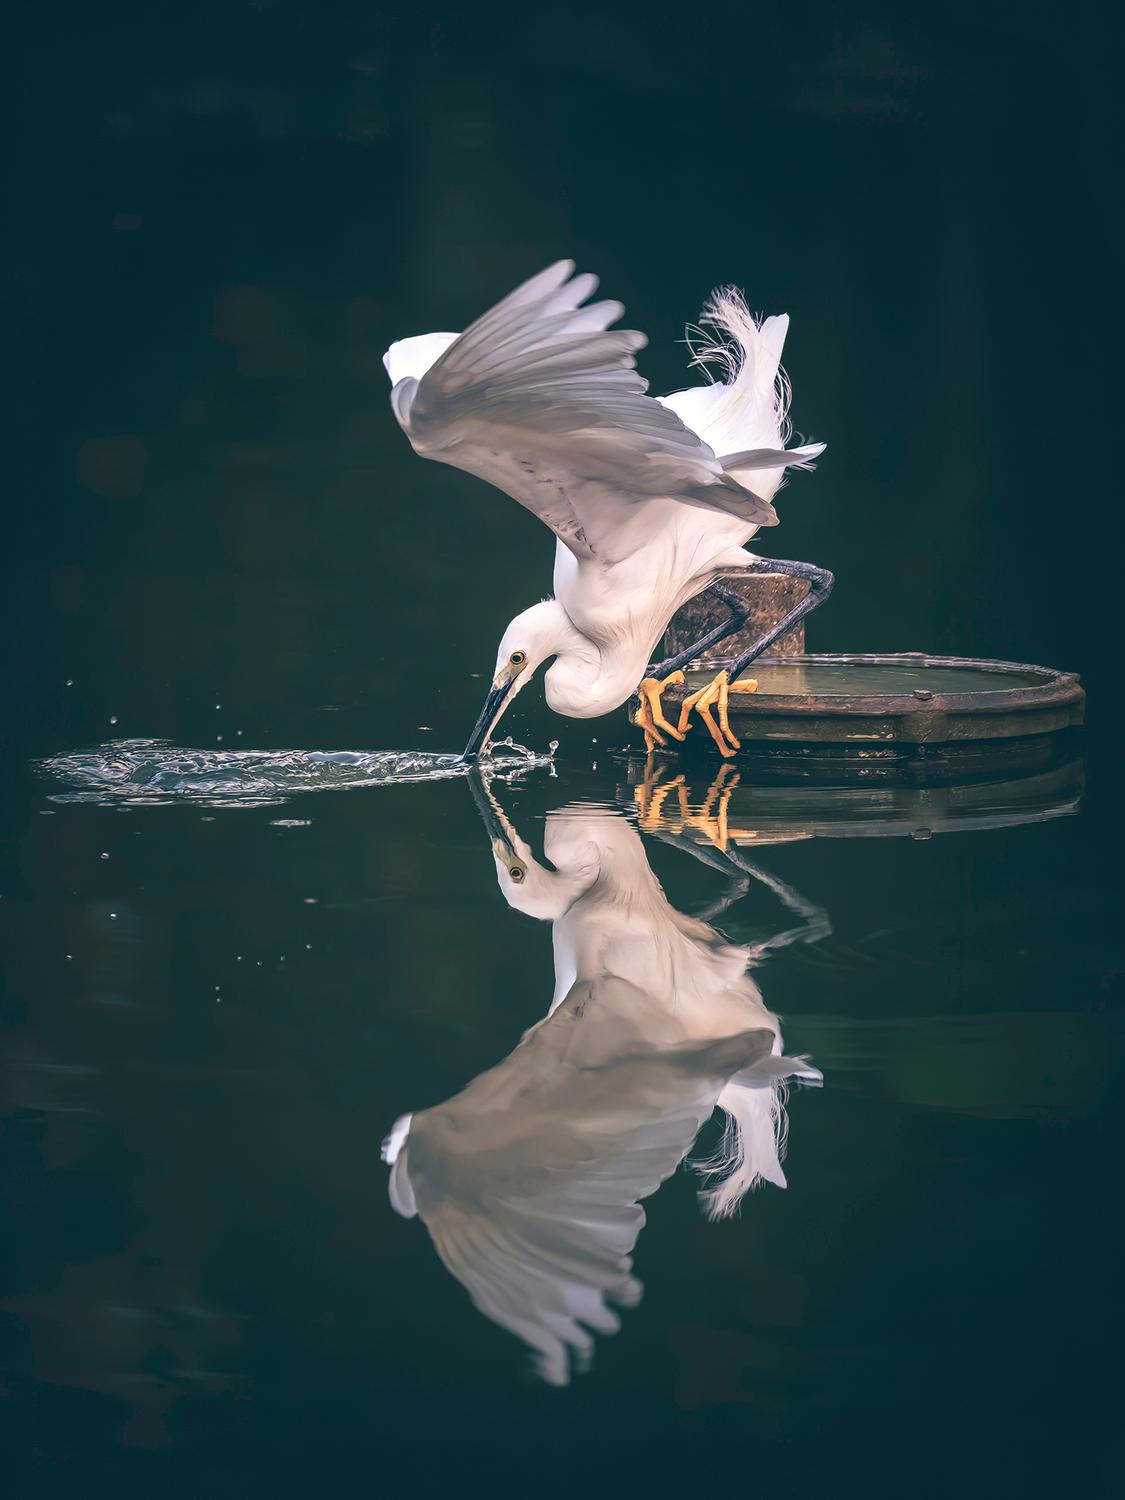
(651, 500)
(530, 1180)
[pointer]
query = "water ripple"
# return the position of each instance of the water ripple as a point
(147, 772)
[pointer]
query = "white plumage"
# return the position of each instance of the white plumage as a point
(748, 408)
(530, 1180)
(650, 500)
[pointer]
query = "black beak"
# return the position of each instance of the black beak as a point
(488, 715)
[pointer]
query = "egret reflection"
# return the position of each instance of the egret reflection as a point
(531, 1179)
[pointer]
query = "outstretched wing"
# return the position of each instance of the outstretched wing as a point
(531, 1181)
(542, 399)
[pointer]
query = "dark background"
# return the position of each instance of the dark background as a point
(225, 213)
(221, 215)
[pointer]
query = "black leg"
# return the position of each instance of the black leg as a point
(814, 920)
(820, 586)
(650, 714)
(739, 614)
(737, 884)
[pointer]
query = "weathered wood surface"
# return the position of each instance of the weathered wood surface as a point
(769, 595)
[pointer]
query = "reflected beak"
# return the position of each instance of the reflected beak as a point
(489, 809)
(501, 834)
(489, 715)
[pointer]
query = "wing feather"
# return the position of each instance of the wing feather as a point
(541, 398)
(531, 1181)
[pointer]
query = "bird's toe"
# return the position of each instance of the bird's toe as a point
(650, 690)
(713, 695)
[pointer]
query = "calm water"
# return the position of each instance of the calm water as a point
(237, 944)
(216, 1014)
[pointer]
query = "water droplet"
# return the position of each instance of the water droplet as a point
(239, 733)
(218, 705)
(218, 737)
(113, 916)
(113, 718)
(307, 947)
(104, 854)
(594, 741)
(238, 958)
(258, 963)
(69, 683)
(310, 900)
(282, 959)
(69, 957)
(218, 987)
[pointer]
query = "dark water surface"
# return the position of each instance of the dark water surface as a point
(216, 1014)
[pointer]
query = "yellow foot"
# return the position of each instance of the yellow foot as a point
(716, 693)
(650, 714)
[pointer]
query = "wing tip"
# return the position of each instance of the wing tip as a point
(393, 1142)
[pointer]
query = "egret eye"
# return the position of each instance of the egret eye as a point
(516, 873)
(517, 658)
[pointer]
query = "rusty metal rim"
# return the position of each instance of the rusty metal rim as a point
(1056, 689)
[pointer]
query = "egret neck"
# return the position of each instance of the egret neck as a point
(543, 631)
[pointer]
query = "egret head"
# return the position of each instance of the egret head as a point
(534, 635)
(527, 885)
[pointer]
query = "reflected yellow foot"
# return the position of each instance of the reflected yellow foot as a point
(650, 798)
(710, 819)
(650, 714)
(713, 824)
(716, 694)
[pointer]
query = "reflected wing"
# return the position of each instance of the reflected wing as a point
(551, 1267)
(542, 399)
(531, 1181)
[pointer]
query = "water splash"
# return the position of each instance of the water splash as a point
(147, 772)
